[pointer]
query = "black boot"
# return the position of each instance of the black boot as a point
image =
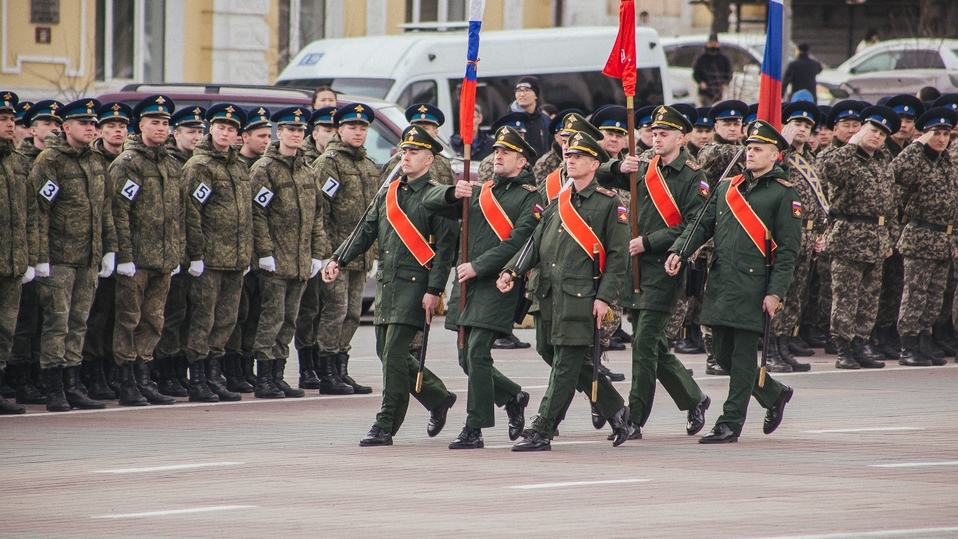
(621, 429)
(235, 381)
(9, 408)
(612, 376)
(910, 356)
(785, 353)
(6, 390)
(113, 379)
(98, 388)
(53, 383)
(687, 344)
(330, 383)
(38, 377)
(887, 342)
(148, 388)
(167, 381)
(775, 363)
(469, 438)
(798, 348)
(342, 361)
(181, 369)
(926, 345)
(711, 365)
(265, 388)
(217, 382)
(75, 392)
(199, 391)
(831, 347)
(129, 390)
(945, 337)
(249, 371)
(863, 355)
(813, 336)
(27, 393)
(845, 358)
(307, 368)
(279, 369)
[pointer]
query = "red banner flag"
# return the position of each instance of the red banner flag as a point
(621, 64)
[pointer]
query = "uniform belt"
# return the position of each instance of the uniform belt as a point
(866, 219)
(947, 229)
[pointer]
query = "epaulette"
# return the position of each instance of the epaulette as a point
(692, 164)
(528, 187)
(128, 156)
(330, 153)
(783, 182)
(433, 182)
(606, 192)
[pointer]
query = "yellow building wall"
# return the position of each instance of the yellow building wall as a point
(537, 14)
(495, 15)
(355, 19)
(395, 15)
(198, 41)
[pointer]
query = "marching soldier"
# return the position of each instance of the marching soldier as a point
(552, 160)
(149, 206)
(76, 237)
(864, 205)
(412, 275)
(741, 216)
(289, 241)
(515, 120)
(502, 218)
(219, 243)
(571, 305)
(429, 118)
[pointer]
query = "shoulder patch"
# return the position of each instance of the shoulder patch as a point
(796, 209)
(202, 193)
(331, 187)
(783, 182)
(623, 214)
(704, 188)
(692, 164)
(537, 211)
(49, 190)
(606, 192)
(528, 187)
(263, 197)
(130, 190)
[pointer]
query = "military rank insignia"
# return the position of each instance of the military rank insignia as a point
(796, 209)
(537, 212)
(704, 188)
(623, 214)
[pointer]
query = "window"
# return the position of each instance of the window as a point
(739, 58)
(297, 29)
(920, 59)
(882, 61)
(418, 92)
(130, 40)
(683, 55)
(435, 10)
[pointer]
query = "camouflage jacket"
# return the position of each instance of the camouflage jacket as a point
(929, 187)
(812, 211)
(714, 157)
(349, 182)
(219, 208)
(309, 149)
(287, 213)
(248, 161)
(23, 158)
(174, 151)
(547, 164)
(100, 149)
(485, 172)
(18, 220)
(860, 185)
(75, 217)
(149, 206)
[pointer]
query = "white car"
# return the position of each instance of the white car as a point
(744, 51)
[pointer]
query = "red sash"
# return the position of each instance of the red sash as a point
(493, 212)
(408, 233)
(746, 216)
(580, 231)
(661, 197)
(553, 184)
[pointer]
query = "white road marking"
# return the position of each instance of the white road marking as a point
(571, 442)
(176, 511)
(872, 429)
(915, 464)
(168, 468)
(578, 483)
(876, 533)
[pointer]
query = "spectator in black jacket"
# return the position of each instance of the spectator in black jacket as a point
(801, 72)
(537, 128)
(712, 71)
(482, 141)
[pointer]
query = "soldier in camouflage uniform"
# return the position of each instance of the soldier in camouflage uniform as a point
(429, 118)
(18, 238)
(929, 190)
(76, 237)
(702, 132)
(256, 135)
(320, 129)
(864, 206)
(219, 244)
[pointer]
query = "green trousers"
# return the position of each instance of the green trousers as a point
(651, 361)
(399, 377)
(735, 352)
(488, 387)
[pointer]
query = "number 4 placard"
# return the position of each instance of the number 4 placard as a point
(130, 190)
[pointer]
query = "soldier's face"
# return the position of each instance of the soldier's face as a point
(824, 136)
(613, 141)
(802, 130)
(187, 137)
(667, 141)
(154, 130)
(645, 135)
(258, 139)
(41, 128)
(291, 137)
(564, 142)
(701, 136)
(730, 130)
(428, 127)
(113, 133)
(760, 157)
(845, 129)
(874, 138)
(353, 134)
(813, 141)
(223, 135)
(416, 161)
(20, 132)
(580, 166)
(79, 132)
(507, 163)
(322, 134)
(940, 139)
(907, 130)
(7, 126)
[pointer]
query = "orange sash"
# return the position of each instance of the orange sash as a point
(408, 233)
(493, 212)
(580, 231)
(661, 197)
(553, 184)
(746, 216)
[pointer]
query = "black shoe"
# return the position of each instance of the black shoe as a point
(97, 387)
(148, 388)
(279, 368)
(887, 341)
(509, 342)
(687, 346)
(515, 409)
(376, 436)
(597, 420)
(469, 438)
(865, 357)
(330, 383)
(774, 360)
(26, 392)
(437, 417)
(635, 433)
(199, 391)
(168, 383)
(945, 338)
(9, 408)
(696, 418)
(613, 345)
(6, 390)
(129, 390)
(533, 442)
(798, 348)
(773, 417)
(720, 434)
(620, 426)
(910, 356)
(265, 388)
(181, 370)
(844, 350)
(342, 363)
(76, 393)
(526, 432)
(712, 367)
(622, 336)
(926, 345)
(235, 381)
(831, 347)
(813, 336)
(613, 376)
(53, 384)
(784, 352)
(217, 382)
(307, 368)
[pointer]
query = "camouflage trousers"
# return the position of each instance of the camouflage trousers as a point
(9, 304)
(242, 339)
(277, 318)
(307, 320)
(65, 300)
(892, 283)
(677, 318)
(342, 303)
(98, 341)
(786, 321)
(855, 290)
(139, 315)
(608, 328)
(818, 311)
(945, 316)
(176, 317)
(923, 293)
(26, 336)
(215, 296)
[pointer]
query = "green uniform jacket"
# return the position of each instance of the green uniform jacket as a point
(736, 285)
(149, 206)
(287, 215)
(219, 228)
(23, 158)
(486, 306)
(714, 157)
(566, 286)
(349, 181)
(75, 217)
(18, 218)
(659, 291)
(309, 149)
(401, 280)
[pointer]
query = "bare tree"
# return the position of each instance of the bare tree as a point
(720, 10)
(939, 18)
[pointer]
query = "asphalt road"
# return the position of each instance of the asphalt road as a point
(859, 454)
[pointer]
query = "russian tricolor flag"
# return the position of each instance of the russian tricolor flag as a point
(770, 90)
(467, 96)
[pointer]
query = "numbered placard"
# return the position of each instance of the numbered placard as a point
(331, 187)
(49, 190)
(130, 190)
(202, 193)
(264, 197)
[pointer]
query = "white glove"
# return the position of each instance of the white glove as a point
(29, 275)
(245, 271)
(43, 270)
(107, 265)
(176, 271)
(196, 268)
(126, 269)
(372, 270)
(268, 263)
(315, 268)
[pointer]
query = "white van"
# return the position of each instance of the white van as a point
(428, 67)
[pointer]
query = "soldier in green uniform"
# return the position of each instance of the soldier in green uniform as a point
(76, 237)
(256, 135)
(740, 216)
(502, 217)
(572, 302)
(429, 117)
(219, 244)
(149, 206)
(552, 159)
(413, 273)
(515, 120)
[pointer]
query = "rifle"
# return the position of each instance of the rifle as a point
(698, 218)
(596, 347)
(355, 233)
(425, 338)
(768, 316)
